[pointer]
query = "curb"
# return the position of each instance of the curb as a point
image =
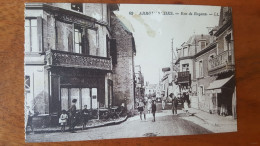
(78, 128)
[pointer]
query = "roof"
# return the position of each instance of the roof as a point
(219, 83)
(195, 38)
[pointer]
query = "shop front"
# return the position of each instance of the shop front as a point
(222, 91)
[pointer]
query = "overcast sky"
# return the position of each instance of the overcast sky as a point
(153, 32)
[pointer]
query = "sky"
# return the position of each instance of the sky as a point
(153, 31)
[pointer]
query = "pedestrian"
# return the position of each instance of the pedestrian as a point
(145, 109)
(186, 107)
(149, 105)
(72, 111)
(163, 101)
(30, 118)
(85, 116)
(174, 103)
(153, 109)
(140, 108)
(63, 120)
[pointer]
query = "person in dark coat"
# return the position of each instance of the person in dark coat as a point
(85, 116)
(153, 110)
(72, 111)
(174, 104)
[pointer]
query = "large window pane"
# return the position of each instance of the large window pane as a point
(86, 97)
(64, 99)
(74, 92)
(94, 98)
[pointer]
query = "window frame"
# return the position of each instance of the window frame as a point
(39, 45)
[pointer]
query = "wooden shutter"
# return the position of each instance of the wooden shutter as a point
(39, 33)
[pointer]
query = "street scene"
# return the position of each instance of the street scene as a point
(107, 71)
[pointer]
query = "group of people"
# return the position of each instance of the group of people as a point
(72, 118)
(145, 106)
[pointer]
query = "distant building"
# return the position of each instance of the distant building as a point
(139, 84)
(123, 65)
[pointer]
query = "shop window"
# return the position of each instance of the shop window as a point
(77, 7)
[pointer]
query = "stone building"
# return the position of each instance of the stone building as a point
(139, 84)
(67, 56)
(123, 68)
(211, 68)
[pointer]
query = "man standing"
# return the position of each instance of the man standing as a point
(72, 111)
(174, 104)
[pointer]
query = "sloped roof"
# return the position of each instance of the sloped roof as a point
(195, 38)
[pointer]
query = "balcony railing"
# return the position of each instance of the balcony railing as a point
(223, 60)
(68, 59)
(184, 77)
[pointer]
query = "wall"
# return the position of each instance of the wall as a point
(123, 77)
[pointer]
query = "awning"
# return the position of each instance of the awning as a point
(217, 84)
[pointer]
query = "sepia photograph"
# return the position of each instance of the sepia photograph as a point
(106, 71)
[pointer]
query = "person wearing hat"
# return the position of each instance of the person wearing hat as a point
(174, 104)
(72, 110)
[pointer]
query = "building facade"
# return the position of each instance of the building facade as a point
(139, 84)
(207, 69)
(123, 67)
(67, 56)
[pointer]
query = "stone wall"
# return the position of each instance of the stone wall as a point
(123, 77)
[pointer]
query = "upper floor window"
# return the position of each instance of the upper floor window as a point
(31, 36)
(77, 7)
(202, 44)
(201, 90)
(27, 83)
(185, 67)
(201, 68)
(185, 52)
(78, 40)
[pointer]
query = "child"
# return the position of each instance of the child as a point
(85, 114)
(63, 120)
(153, 110)
(186, 107)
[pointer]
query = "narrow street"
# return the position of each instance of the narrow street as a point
(166, 125)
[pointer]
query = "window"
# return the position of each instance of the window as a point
(203, 44)
(78, 40)
(201, 90)
(185, 67)
(77, 7)
(27, 82)
(201, 68)
(31, 36)
(185, 52)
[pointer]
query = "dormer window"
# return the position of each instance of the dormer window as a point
(185, 52)
(202, 44)
(77, 7)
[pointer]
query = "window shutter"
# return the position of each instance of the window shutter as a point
(39, 33)
(113, 51)
(197, 69)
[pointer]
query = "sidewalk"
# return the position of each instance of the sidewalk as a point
(91, 124)
(214, 122)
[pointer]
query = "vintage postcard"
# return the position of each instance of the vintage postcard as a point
(106, 71)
